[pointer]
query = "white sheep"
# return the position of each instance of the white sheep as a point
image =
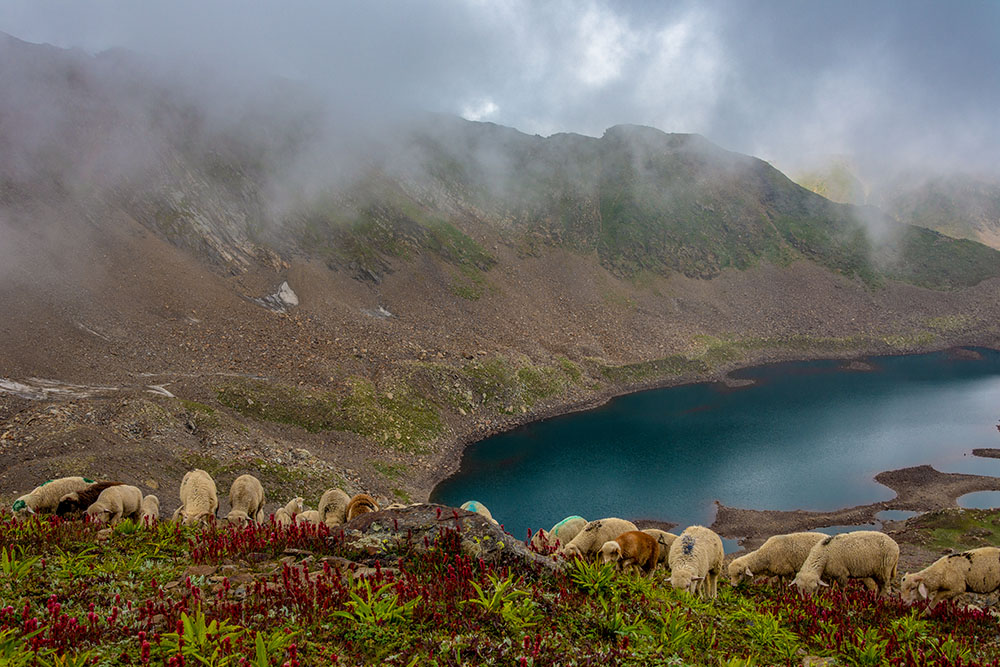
(285, 516)
(116, 503)
(696, 560)
(199, 498)
(44, 498)
(664, 539)
(561, 534)
(859, 554)
(333, 507)
(780, 556)
(588, 542)
(246, 497)
(976, 570)
(150, 509)
(478, 508)
(309, 516)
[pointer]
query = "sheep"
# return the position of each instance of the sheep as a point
(246, 497)
(589, 541)
(976, 570)
(561, 534)
(285, 516)
(333, 507)
(635, 548)
(150, 509)
(856, 555)
(696, 560)
(664, 539)
(79, 501)
(199, 498)
(360, 504)
(115, 503)
(780, 556)
(309, 516)
(44, 498)
(480, 509)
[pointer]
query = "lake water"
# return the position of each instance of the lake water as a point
(807, 435)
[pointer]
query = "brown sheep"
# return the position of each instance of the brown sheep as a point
(634, 548)
(361, 504)
(78, 501)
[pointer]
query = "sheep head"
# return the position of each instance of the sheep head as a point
(611, 551)
(238, 518)
(572, 551)
(912, 588)
(21, 507)
(684, 580)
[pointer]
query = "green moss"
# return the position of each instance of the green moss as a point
(672, 366)
(572, 370)
(310, 410)
(194, 406)
(401, 495)
(958, 529)
(391, 471)
(399, 418)
(949, 323)
(468, 283)
(540, 382)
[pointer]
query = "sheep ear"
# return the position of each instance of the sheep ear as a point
(922, 590)
(748, 572)
(823, 583)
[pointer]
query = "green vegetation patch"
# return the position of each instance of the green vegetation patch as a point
(672, 366)
(958, 529)
(310, 410)
(392, 471)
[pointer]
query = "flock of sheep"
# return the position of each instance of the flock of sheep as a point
(695, 558)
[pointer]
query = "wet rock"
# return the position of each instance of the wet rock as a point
(383, 536)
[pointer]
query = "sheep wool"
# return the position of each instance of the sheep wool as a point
(664, 539)
(79, 501)
(116, 503)
(309, 516)
(976, 571)
(636, 549)
(246, 498)
(589, 541)
(478, 508)
(360, 504)
(780, 556)
(856, 555)
(333, 507)
(44, 498)
(150, 508)
(696, 560)
(199, 498)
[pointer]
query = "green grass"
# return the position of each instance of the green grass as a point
(958, 529)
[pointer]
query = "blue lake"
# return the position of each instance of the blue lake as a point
(806, 435)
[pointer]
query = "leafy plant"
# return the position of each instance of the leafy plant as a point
(376, 607)
(503, 593)
(13, 566)
(593, 578)
(202, 641)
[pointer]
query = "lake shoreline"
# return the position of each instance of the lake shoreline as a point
(736, 520)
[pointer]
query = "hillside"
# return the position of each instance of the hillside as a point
(407, 587)
(450, 278)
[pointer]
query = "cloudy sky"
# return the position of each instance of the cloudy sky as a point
(784, 80)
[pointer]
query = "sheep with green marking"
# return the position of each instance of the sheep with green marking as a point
(478, 508)
(780, 556)
(44, 499)
(561, 534)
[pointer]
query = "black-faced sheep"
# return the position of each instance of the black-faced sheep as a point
(856, 555)
(199, 498)
(588, 542)
(360, 504)
(44, 498)
(79, 501)
(780, 556)
(116, 503)
(635, 549)
(333, 507)
(149, 511)
(696, 560)
(478, 508)
(246, 497)
(664, 539)
(976, 571)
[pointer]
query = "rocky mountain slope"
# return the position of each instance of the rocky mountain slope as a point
(256, 282)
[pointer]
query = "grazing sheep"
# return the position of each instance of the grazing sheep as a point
(696, 560)
(333, 507)
(855, 555)
(79, 501)
(115, 503)
(44, 498)
(561, 534)
(360, 504)
(976, 570)
(199, 498)
(589, 541)
(285, 516)
(634, 548)
(664, 539)
(395, 506)
(150, 509)
(246, 497)
(480, 509)
(309, 516)
(780, 556)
